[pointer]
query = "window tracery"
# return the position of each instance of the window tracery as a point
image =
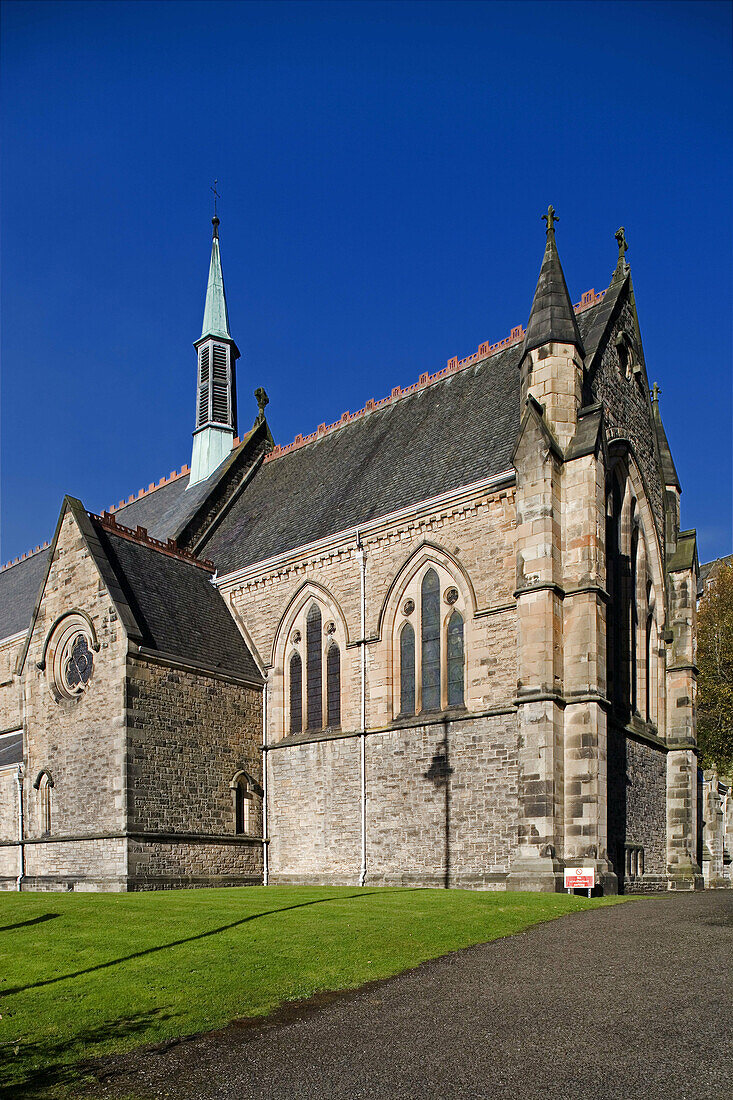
(429, 643)
(313, 670)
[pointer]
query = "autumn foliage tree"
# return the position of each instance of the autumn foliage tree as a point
(715, 678)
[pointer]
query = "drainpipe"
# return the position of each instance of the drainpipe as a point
(265, 845)
(361, 555)
(21, 831)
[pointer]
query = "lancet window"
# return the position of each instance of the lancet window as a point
(632, 632)
(314, 672)
(429, 645)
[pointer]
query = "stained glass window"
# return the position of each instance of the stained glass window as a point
(333, 685)
(430, 604)
(455, 660)
(296, 694)
(407, 670)
(314, 667)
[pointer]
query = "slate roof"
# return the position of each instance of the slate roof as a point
(708, 570)
(463, 428)
(162, 510)
(11, 749)
(451, 433)
(19, 586)
(177, 608)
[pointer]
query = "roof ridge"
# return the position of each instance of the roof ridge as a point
(24, 557)
(140, 535)
(484, 351)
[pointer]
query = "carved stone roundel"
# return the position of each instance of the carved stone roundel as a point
(450, 595)
(71, 661)
(408, 607)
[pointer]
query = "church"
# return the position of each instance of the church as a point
(448, 640)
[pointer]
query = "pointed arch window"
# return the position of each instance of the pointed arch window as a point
(407, 669)
(296, 694)
(455, 660)
(314, 668)
(333, 686)
(428, 651)
(44, 784)
(430, 640)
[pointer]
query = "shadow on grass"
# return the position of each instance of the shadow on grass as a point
(18, 1083)
(176, 943)
(27, 923)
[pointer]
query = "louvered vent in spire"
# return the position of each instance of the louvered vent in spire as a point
(220, 386)
(202, 414)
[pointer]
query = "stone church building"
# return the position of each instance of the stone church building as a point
(447, 640)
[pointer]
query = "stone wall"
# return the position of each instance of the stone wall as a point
(9, 859)
(10, 692)
(189, 734)
(627, 409)
(637, 810)
(473, 543)
(77, 864)
(79, 741)
(168, 864)
(441, 805)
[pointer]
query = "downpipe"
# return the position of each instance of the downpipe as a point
(265, 838)
(361, 555)
(21, 831)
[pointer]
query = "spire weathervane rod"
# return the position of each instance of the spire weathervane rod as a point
(215, 219)
(550, 217)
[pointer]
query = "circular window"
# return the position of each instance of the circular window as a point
(71, 660)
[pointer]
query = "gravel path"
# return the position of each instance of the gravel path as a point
(628, 1001)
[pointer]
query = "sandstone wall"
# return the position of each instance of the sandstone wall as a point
(79, 741)
(10, 688)
(189, 734)
(9, 865)
(441, 805)
(637, 810)
(473, 544)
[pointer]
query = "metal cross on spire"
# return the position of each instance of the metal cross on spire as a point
(216, 195)
(550, 217)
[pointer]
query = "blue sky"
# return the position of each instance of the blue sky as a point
(383, 168)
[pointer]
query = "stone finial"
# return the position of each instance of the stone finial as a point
(262, 402)
(550, 217)
(623, 246)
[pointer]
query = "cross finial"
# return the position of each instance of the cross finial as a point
(216, 195)
(262, 402)
(550, 217)
(623, 247)
(655, 393)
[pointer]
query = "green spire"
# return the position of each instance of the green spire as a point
(216, 318)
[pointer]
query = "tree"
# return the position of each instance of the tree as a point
(715, 679)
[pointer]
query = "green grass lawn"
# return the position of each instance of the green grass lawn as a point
(90, 974)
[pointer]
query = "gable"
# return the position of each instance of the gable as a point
(624, 391)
